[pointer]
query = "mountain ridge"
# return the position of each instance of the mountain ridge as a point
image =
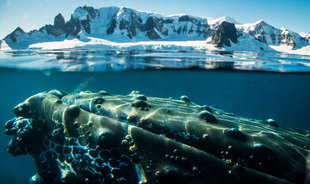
(121, 24)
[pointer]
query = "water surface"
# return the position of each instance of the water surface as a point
(116, 60)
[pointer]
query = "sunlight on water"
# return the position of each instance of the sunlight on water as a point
(116, 60)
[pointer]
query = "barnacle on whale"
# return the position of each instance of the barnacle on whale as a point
(102, 138)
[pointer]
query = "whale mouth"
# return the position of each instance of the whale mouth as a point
(103, 138)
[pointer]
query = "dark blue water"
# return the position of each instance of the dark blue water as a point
(254, 93)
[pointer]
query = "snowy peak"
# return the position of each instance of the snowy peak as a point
(131, 24)
(215, 22)
(291, 38)
(261, 31)
(306, 36)
(84, 13)
(270, 35)
(15, 34)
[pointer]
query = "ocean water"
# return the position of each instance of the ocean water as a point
(253, 85)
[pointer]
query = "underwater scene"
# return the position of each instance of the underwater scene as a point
(153, 117)
(154, 92)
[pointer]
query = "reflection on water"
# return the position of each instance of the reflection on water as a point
(115, 60)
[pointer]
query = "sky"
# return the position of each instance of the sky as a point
(33, 14)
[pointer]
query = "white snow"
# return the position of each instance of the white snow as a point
(288, 49)
(261, 29)
(214, 22)
(4, 45)
(250, 26)
(80, 13)
(245, 43)
(58, 44)
(294, 37)
(102, 43)
(305, 35)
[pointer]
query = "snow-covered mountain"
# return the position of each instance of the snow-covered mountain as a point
(270, 35)
(120, 24)
(305, 35)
